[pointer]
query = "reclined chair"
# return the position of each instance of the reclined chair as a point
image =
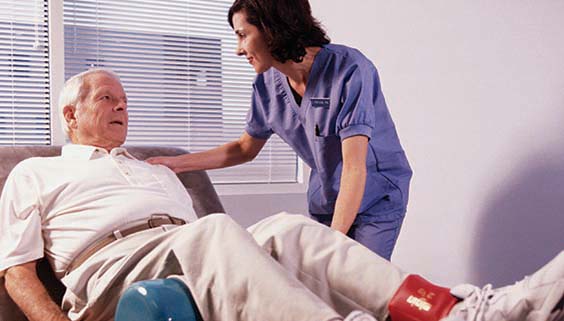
(149, 300)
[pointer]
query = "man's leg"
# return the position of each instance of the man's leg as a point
(379, 236)
(229, 275)
(349, 276)
(342, 272)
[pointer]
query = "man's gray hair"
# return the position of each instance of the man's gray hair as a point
(75, 90)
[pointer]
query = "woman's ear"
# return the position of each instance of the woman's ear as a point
(69, 112)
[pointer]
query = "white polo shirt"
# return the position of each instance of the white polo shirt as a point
(60, 205)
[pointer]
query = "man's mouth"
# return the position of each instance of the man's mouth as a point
(116, 122)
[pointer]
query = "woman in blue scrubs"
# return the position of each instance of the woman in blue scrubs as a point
(325, 101)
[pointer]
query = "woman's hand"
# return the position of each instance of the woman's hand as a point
(172, 162)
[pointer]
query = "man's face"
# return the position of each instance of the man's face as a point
(251, 43)
(101, 117)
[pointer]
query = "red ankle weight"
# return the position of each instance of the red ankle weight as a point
(419, 300)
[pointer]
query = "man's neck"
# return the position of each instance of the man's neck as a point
(107, 148)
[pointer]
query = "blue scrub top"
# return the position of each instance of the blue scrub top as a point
(343, 98)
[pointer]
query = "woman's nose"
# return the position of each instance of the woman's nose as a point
(239, 50)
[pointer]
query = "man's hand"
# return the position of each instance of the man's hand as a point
(27, 291)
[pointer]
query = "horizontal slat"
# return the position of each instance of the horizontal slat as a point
(136, 25)
(20, 68)
(24, 100)
(26, 121)
(184, 15)
(17, 89)
(23, 54)
(10, 142)
(8, 105)
(22, 16)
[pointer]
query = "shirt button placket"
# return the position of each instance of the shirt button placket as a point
(123, 168)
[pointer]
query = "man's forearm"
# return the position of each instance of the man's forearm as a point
(27, 291)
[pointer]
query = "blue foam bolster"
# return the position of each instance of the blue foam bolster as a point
(157, 300)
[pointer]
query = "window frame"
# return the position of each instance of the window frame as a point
(58, 137)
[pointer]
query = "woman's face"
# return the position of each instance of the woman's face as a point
(251, 44)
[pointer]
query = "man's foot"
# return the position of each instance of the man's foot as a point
(359, 316)
(535, 298)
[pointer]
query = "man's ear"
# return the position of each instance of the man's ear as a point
(69, 112)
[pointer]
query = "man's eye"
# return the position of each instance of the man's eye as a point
(105, 97)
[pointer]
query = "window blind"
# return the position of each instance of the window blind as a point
(24, 73)
(185, 85)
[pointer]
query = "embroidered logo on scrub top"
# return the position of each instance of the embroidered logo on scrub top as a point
(320, 102)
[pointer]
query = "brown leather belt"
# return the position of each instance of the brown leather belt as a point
(156, 220)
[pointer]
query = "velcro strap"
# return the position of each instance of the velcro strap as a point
(420, 300)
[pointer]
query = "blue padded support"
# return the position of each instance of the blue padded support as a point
(157, 300)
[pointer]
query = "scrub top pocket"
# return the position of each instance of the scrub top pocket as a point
(379, 194)
(327, 154)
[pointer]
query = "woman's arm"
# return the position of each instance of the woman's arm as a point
(353, 180)
(233, 153)
(27, 291)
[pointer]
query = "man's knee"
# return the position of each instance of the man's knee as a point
(281, 222)
(223, 226)
(292, 219)
(218, 219)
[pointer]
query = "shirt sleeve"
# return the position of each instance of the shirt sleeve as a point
(257, 125)
(362, 103)
(20, 222)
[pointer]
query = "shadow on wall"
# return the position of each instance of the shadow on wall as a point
(522, 227)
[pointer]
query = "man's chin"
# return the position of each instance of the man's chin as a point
(115, 143)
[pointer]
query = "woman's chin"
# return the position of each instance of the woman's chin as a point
(259, 69)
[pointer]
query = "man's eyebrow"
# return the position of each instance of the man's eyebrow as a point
(100, 91)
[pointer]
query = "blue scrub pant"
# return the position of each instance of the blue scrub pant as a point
(379, 236)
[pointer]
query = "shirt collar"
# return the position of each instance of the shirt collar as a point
(87, 152)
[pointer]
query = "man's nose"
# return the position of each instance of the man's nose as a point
(121, 105)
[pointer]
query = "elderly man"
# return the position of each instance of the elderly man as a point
(105, 220)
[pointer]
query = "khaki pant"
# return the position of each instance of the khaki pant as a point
(303, 272)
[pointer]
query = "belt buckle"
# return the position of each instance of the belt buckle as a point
(156, 220)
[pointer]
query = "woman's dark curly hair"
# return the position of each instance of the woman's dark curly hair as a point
(287, 25)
